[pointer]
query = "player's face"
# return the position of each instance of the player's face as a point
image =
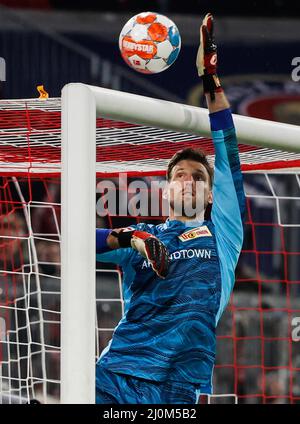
(189, 189)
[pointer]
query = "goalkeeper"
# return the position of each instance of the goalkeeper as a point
(178, 276)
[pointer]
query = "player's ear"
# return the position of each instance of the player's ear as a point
(210, 197)
(165, 192)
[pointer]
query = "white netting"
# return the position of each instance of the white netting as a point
(257, 359)
(31, 139)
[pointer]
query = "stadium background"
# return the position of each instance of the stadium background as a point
(53, 43)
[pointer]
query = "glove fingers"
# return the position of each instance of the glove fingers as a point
(207, 58)
(158, 255)
(207, 32)
(161, 259)
(210, 24)
(206, 43)
(164, 265)
(206, 18)
(205, 37)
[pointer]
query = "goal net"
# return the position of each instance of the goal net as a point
(258, 356)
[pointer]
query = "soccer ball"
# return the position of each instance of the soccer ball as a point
(149, 42)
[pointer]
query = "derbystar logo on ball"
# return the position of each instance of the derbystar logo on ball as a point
(150, 42)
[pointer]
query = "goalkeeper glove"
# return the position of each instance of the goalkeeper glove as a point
(207, 58)
(148, 246)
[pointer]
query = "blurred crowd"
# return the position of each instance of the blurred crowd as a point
(232, 8)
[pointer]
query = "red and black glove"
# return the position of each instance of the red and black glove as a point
(148, 246)
(207, 58)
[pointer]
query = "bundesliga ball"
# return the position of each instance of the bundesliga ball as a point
(149, 42)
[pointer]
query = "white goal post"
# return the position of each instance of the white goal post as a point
(80, 104)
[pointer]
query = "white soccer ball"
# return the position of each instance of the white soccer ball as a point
(149, 42)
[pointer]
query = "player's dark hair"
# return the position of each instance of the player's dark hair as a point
(190, 154)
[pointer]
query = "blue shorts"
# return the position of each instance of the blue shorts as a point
(122, 389)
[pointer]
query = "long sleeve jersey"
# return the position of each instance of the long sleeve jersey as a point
(168, 331)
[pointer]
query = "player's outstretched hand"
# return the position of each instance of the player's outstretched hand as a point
(153, 249)
(207, 59)
(207, 52)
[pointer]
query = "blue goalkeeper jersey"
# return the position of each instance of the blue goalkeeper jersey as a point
(168, 331)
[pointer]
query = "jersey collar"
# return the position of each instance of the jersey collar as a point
(175, 223)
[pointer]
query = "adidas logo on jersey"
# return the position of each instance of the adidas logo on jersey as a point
(195, 233)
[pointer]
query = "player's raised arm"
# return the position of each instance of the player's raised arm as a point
(228, 193)
(145, 243)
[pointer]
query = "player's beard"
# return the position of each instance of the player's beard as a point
(187, 207)
(187, 200)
